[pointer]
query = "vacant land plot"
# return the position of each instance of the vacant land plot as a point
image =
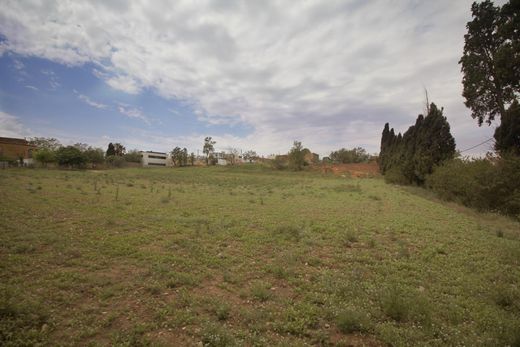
(243, 256)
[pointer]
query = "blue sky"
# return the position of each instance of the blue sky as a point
(74, 105)
(253, 75)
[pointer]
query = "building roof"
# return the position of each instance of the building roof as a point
(153, 152)
(15, 141)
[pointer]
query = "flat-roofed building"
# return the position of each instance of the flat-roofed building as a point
(150, 158)
(13, 149)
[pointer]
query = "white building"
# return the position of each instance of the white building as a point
(150, 158)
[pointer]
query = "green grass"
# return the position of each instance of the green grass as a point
(248, 256)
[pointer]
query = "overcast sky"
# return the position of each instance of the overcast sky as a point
(253, 74)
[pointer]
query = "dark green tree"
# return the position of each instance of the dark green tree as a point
(70, 156)
(490, 61)
(507, 135)
(411, 157)
(110, 150)
(94, 155)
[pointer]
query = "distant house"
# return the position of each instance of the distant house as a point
(150, 158)
(13, 149)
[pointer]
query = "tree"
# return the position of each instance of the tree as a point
(110, 150)
(208, 148)
(184, 157)
(250, 156)
(45, 156)
(346, 156)
(192, 158)
(119, 149)
(232, 156)
(507, 135)
(411, 157)
(491, 59)
(297, 156)
(176, 156)
(94, 155)
(49, 143)
(70, 156)
(133, 156)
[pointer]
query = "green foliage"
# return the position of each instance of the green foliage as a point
(180, 156)
(94, 155)
(216, 336)
(490, 59)
(507, 135)
(408, 159)
(115, 161)
(133, 156)
(48, 143)
(481, 183)
(297, 156)
(70, 156)
(352, 321)
(279, 163)
(208, 148)
(45, 155)
(110, 150)
(346, 156)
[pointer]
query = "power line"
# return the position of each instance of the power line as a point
(480, 144)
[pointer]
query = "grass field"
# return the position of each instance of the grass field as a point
(248, 256)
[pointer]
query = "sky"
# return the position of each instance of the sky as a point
(257, 75)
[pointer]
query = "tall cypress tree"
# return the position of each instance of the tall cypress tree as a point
(110, 150)
(425, 144)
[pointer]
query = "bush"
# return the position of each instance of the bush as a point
(115, 161)
(484, 184)
(396, 175)
(350, 321)
(70, 156)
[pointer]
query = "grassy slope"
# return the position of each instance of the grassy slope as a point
(246, 256)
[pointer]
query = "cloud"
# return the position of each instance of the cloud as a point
(89, 101)
(53, 79)
(132, 112)
(10, 126)
(327, 73)
(31, 87)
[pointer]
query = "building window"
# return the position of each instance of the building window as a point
(156, 157)
(157, 164)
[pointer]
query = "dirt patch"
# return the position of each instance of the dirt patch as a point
(360, 170)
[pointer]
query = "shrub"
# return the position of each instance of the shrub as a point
(216, 336)
(115, 161)
(395, 305)
(260, 291)
(484, 184)
(351, 321)
(396, 175)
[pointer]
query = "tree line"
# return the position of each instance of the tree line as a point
(425, 154)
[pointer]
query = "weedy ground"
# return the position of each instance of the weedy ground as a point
(248, 256)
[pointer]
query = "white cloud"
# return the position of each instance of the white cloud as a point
(89, 101)
(31, 87)
(327, 73)
(10, 126)
(132, 112)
